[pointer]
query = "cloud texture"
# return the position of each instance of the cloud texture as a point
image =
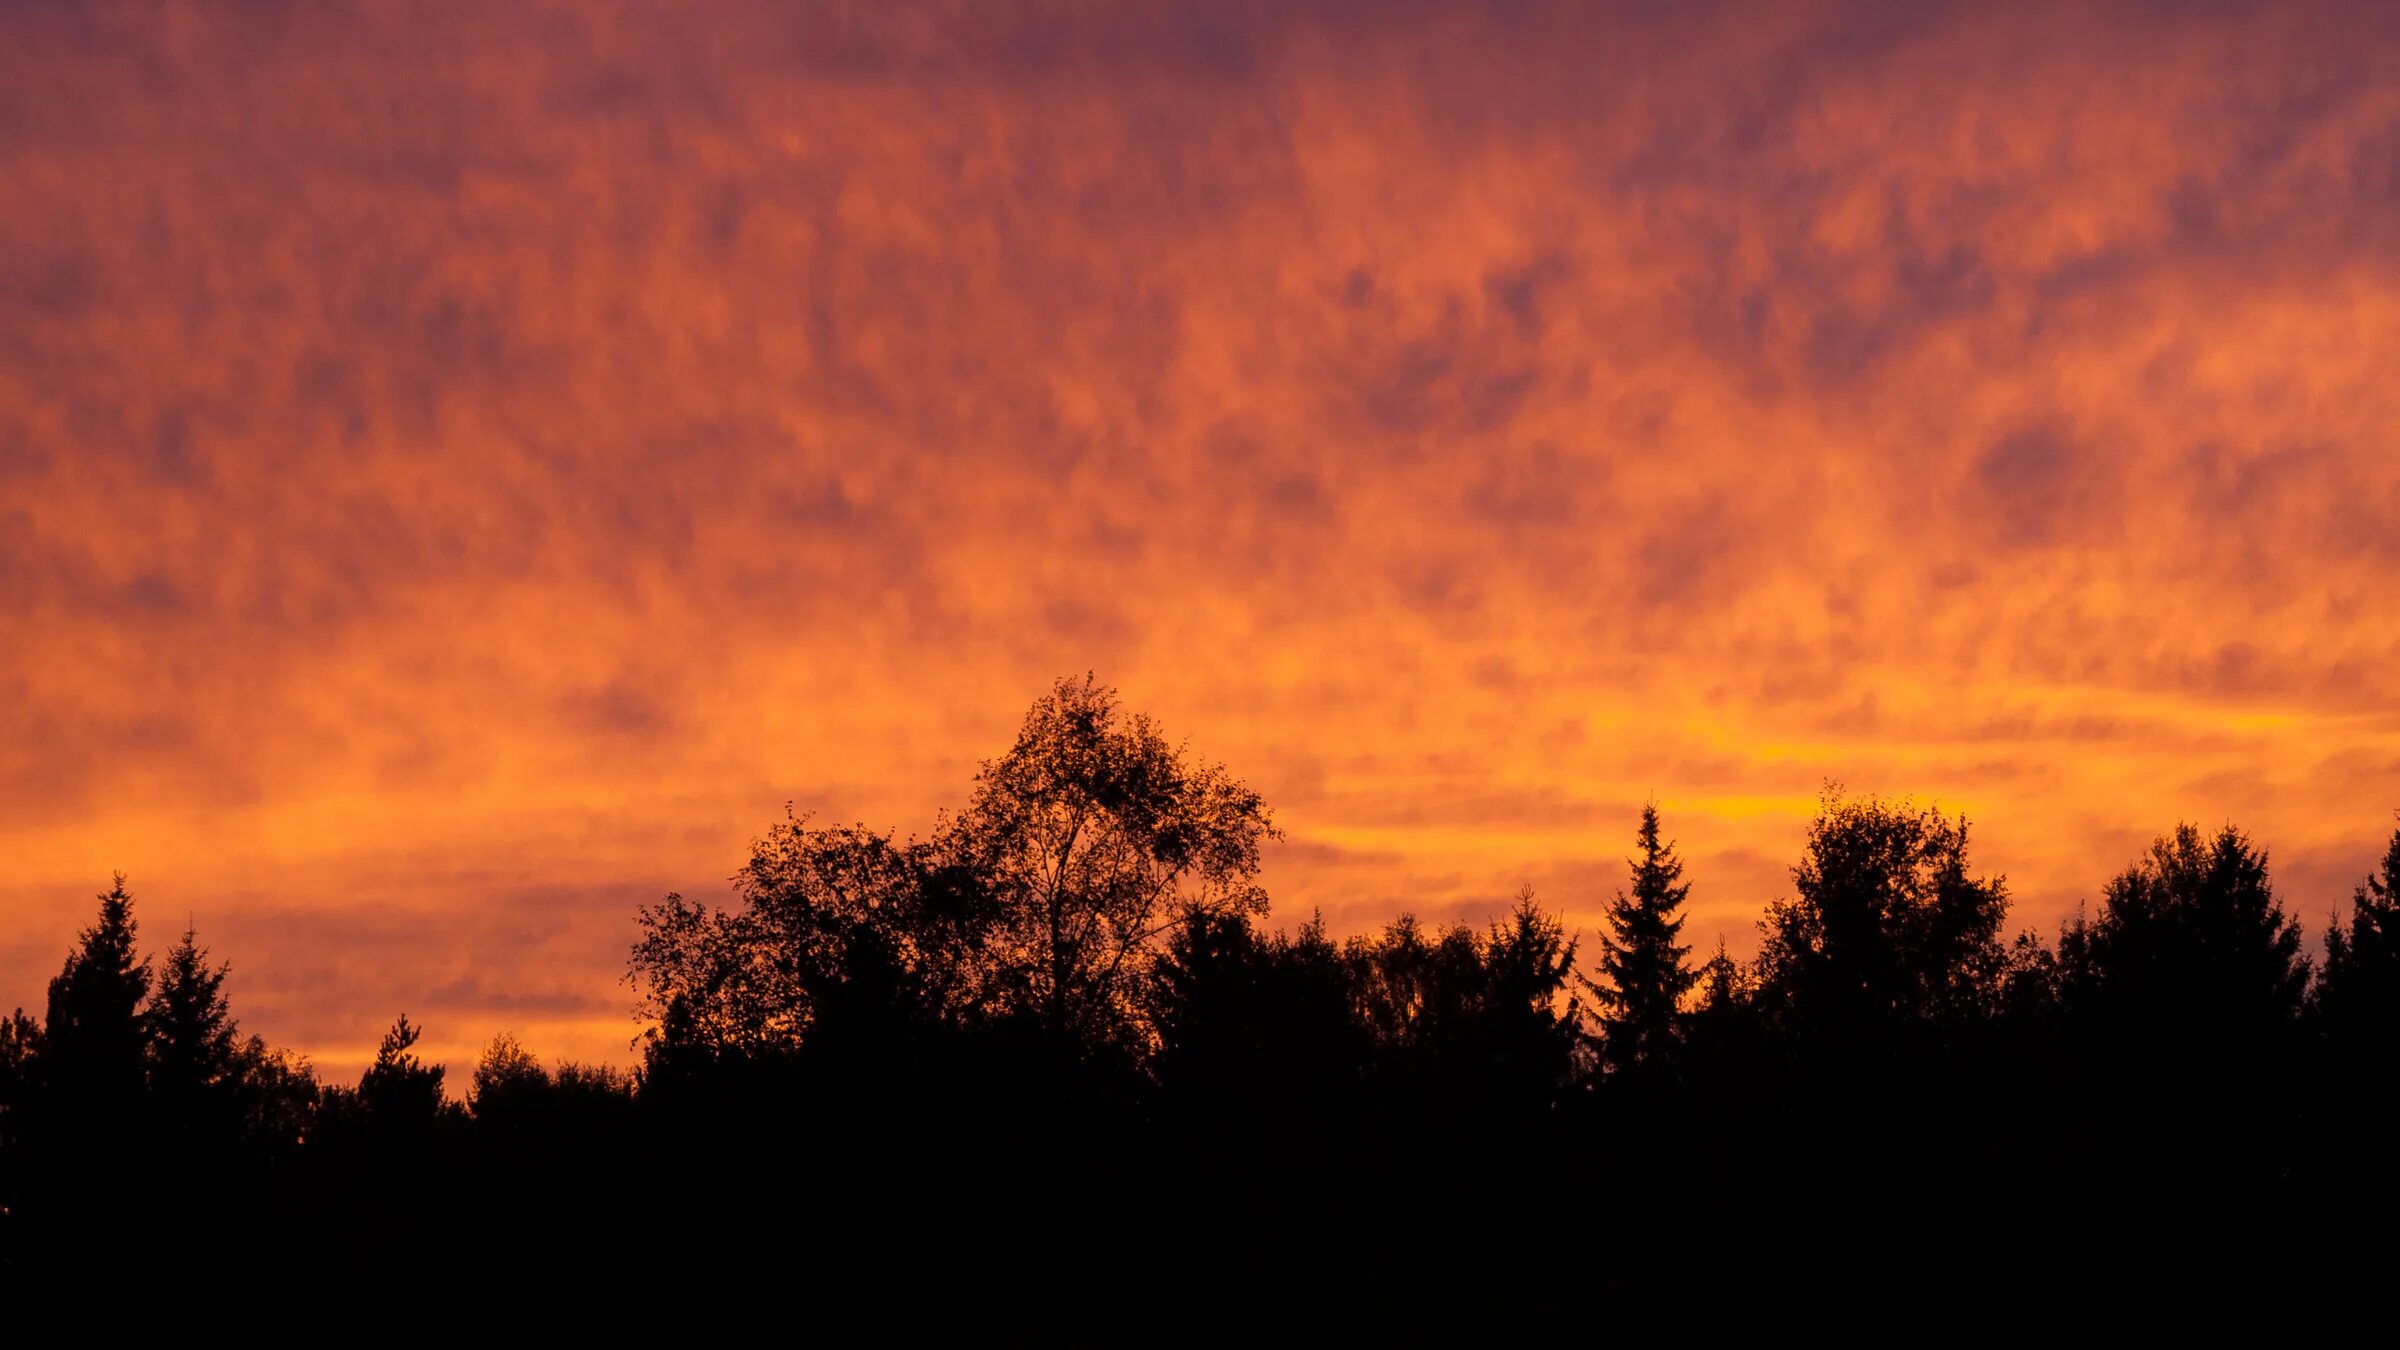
(464, 468)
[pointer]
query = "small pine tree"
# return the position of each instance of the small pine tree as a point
(402, 1094)
(1643, 975)
(1724, 988)
(195, 1064)
(1723, 1016)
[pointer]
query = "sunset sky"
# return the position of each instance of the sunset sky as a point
(464, 468)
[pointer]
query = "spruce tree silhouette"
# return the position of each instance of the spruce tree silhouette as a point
(1724, 1041)
(1643, 975)
(87, 1163)
(2359, 991)
(2357, 1090)
(93, 1034)
(1529, 1031)
(1724, 992)
(195, 1060)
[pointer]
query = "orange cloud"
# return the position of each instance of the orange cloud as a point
(461, 472)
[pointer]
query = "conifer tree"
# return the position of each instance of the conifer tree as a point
(401, 1093)
(93, 1035)
(2359, 992)
(195, 1060)
(1724, 988)
(1644, 977)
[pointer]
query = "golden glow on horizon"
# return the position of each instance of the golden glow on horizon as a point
(457, 483)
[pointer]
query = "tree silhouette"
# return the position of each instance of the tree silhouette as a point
(1464, 1022)
(508, 1080)
(84, 1168)
(20, 1087)
(400, 1093)
(1252, 1026)
(93, 1035)
(1886, 935)
(1529, 1031)
(1643, 975)
(195, 1059)
(2192, 953)
(2358, 1006)
(839, 929)
(1093, 837)
(1729, 1066)
(2186, 994)
(2359, 991)
(1043, 902)
(1256, 1045)
(1724, 1013)
(278, 1094)
(1051, 1067)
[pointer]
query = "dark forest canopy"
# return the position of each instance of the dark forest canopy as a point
(1061, 1032)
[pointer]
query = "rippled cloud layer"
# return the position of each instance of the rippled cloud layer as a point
(463, 469)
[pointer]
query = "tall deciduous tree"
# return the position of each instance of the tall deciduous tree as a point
(2192, 960)
(1093, 837)
(841, 932)
(1643, 974)
(2185, 996)
(1886, 932)
(1044, 901)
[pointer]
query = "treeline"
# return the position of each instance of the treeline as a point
(1052, 1071)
